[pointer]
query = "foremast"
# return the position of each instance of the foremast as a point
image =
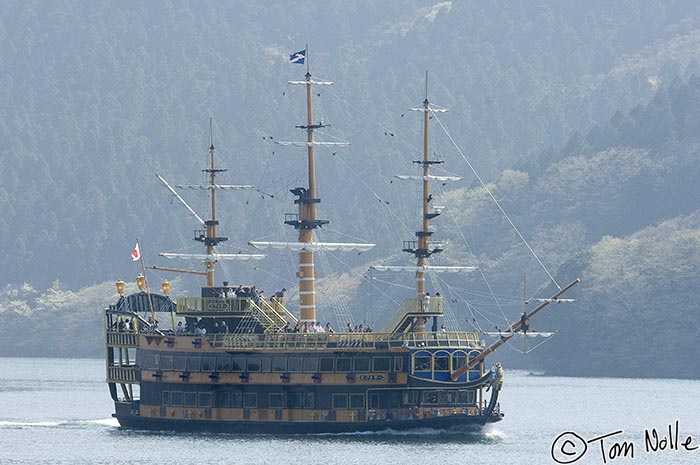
(207, 235)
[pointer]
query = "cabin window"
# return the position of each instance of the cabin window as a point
(276, 400)
(442, 363)
(223, 399)
(279, 364)
(381, 364)
(344, 365)
(166, 362)
(327, 365)
(340, 401)
(466, 397)
(205, 399)
(265, 364)
(254, 364)
(176, 398)
(180, 363)
(357, 401)
(294, 364)
(300, 400)
(361, 364)
(151, 362)
(250, 400)
(165, 398)
(310, 364)
(190, 399)
(411, 397)
(208, 363)
(394, 399)
(422, 364)
(194, 363)
(458, 361)
(238, 363)
(236, 399)
(398, 364)
(223, 363)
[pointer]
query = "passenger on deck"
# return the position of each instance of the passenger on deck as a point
(120, 325)
(348, 328)
(426, 302)
(319, 328)
(179, 328)
(216, 328)
(279, 295)
(297, 328)
(328, 328)
(127, 325)
(223, 328)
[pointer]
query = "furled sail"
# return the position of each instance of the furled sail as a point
(313, 246)
(313, 144)
(208, 187)
(214, 256)
(425, 268)
(430, 177)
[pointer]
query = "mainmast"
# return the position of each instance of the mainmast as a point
(305, 220)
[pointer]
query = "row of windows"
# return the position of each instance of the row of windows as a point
(281, 364)
(440, 361)
(306, 400)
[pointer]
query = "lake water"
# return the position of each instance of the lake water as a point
(58, 411)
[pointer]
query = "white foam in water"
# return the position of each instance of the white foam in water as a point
(108, 422)
(492, 432)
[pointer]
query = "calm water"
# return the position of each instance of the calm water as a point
(58, 411)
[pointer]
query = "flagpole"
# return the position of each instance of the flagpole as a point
(145, 280)
(307, 58)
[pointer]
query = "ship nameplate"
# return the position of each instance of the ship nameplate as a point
(371, 377)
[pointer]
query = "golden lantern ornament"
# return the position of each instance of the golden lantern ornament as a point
(120, 287)
(141, 282)
(165, 285)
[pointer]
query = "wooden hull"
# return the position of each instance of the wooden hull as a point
(457, 422)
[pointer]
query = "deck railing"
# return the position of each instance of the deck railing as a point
(122, 374)
(306, 341)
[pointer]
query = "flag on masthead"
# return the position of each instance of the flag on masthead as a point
(136, 253)
(298, 57)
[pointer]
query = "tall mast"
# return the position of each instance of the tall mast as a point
(307, 216)
(210, 239)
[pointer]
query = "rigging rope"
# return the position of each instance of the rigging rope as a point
(488, 191)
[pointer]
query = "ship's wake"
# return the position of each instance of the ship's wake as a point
(102, 423)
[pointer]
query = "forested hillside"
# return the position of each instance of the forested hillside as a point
(582, 119)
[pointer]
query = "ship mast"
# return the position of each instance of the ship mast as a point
(211, 240)
(305, 220)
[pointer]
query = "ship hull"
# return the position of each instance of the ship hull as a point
(465, 423)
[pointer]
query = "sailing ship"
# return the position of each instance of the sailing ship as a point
(230, 363)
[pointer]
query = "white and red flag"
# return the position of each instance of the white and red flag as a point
(136, 253)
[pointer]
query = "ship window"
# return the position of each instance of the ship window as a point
(166, 362)
(310, 364)
(265, 364)
(395, 399)
(357, 401)
(276, 400)
(223, 363)
(238, 363)
(250, 400)
(236, 399)
(410, 397)
(362, 364)
(176, 398)
(223, 399)
(422, 364)
(294, 364)
(180, 363)
(254, 364)
(205, 399)
(165, 396)
(190, 399)
(442, 363)
(466, 397)
(151, 362)
(381, 364)
(208, 363)
(344, 365)
(193, 363)
(458, 361)
(398, 364)
(434, 397)
(301, 400)
(340, 401)
(327, 365)
(279, 364)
